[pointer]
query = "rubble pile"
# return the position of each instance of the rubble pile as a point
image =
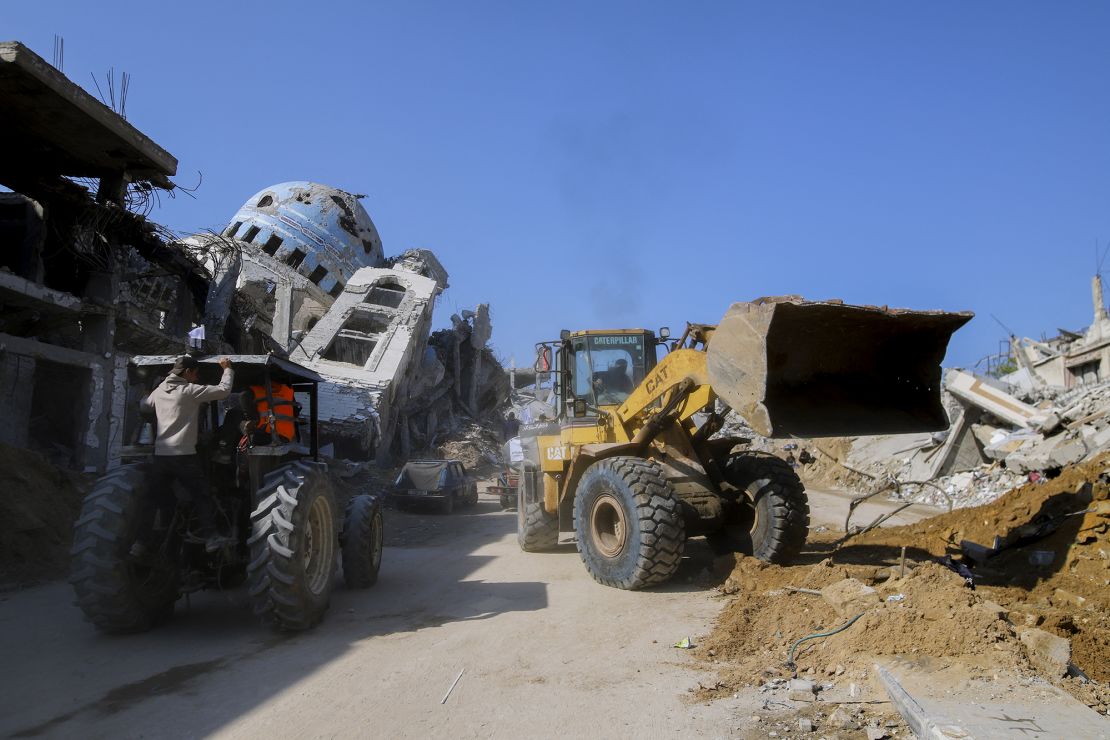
(972, 463)
(976, 462)
(1039, 608)
(475, 446)
(37, 510)
(469, 401)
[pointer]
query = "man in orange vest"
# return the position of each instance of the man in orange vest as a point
(279, 417)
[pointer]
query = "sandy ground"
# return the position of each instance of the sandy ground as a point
(543, 651)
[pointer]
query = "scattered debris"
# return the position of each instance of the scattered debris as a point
(983, 632)
(39, 503)
(452, 687)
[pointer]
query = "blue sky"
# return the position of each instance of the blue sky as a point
(617, 164)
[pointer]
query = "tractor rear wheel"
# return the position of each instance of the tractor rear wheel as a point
(293, 546)
(117, 592)
(361, 541)
(771, 520)
(631, 533)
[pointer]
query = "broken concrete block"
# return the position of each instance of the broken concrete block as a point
(1048, 423)
(850, 597)
(986, 434)
(1005, 444)
(1060, 597)
(802, 690)
(1054, 452)
(800, 684)
(1047, 652)
(995, 610)
(1100, 439)
(841, 718)
(1067, 452)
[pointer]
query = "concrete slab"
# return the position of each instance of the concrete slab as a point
(968, 388)
(42, 107)
(937, 705)
(829, 508)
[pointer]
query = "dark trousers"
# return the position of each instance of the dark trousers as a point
(191, 488)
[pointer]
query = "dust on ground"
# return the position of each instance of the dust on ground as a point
(929, 612)
(39, 504)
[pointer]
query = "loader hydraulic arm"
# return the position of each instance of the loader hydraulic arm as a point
(680, 380)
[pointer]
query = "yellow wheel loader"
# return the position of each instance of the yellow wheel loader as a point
(631, 462)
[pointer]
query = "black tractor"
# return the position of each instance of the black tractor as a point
(271, 494)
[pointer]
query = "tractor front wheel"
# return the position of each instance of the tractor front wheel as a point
(361, 541)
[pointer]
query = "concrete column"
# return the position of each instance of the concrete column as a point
(17, 378)
(472, 397)
(1096, 298)
(283, 312)
(431, 425)
(458, 369)
(99, 338)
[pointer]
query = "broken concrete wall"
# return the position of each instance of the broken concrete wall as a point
(85, 278)
(371, 341)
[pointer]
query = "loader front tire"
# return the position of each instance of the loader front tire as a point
(631, 533)
(536, 530)
(361, 541)
(293, 546)
(118, 593)
(770, 521)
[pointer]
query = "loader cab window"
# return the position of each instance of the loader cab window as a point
(607, 367)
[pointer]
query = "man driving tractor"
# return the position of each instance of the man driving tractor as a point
(176, 403)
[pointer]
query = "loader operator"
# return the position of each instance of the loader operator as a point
(176, 403)
(613, 385)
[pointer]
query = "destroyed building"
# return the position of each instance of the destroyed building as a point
(1071, 359)
(1051, 412)
(85, 279)
(306, 266)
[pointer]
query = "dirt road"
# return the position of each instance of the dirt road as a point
(543, 650)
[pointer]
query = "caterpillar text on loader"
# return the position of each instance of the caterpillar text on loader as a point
(626, 466)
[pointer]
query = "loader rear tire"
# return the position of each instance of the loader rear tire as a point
(771, 521)
(118, 594)
(536, 530)
(361, 542)
(293, 546)
(631, 533)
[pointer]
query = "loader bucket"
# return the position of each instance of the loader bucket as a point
(795, 368)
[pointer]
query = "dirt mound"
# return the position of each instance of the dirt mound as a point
(1052, 575)
(38, 505)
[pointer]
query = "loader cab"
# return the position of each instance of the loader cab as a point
(596, 369)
